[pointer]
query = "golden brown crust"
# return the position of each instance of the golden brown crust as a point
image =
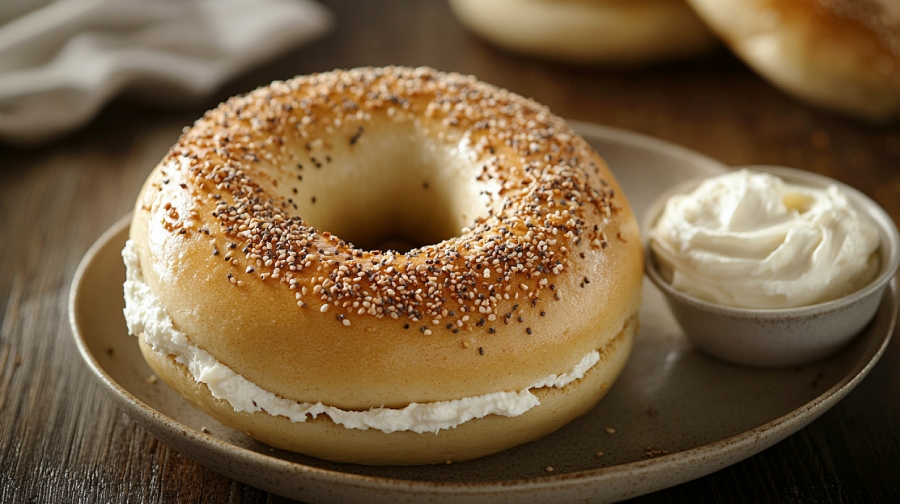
(216, 221)
(839, 54)
(609, 32)
(312, 318)
(470, 440)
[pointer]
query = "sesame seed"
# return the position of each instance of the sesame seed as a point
(548, 199)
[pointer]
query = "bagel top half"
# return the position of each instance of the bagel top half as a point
(261, 233)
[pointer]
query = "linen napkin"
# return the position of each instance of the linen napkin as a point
(61, 60)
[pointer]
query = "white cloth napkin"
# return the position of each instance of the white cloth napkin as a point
(61, 60)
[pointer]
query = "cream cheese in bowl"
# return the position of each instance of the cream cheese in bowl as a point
(751, 240)
(770, 267)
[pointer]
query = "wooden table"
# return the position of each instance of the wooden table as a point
(62, 439)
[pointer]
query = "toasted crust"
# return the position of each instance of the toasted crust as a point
(548, 270)
(607, 32)
(838, 54)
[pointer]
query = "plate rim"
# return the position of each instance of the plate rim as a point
(758, 438)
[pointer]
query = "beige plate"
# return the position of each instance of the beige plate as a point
(704, 413)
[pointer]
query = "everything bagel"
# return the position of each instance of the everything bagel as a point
(384, 266)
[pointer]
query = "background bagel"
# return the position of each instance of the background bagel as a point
(608, 32)
(547, 271)
(837, 54)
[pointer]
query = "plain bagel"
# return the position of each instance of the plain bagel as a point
(258, 290)
(625, 33)
(842, 55)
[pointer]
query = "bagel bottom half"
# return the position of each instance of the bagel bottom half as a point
(322, 438)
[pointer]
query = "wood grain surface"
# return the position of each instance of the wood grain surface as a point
(63, 440)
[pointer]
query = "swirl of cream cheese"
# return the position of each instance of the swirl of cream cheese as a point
(751, 240)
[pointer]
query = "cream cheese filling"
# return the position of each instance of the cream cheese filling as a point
(145, 315)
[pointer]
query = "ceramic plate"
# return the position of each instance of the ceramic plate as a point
(674, 414)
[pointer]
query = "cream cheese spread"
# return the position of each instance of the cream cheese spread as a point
(145, 315)
(751, 240)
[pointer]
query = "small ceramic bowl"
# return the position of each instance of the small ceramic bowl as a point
(788, 336)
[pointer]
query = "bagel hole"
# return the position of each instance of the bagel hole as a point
(395, 189)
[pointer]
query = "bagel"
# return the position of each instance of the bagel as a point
(258, 290)
(624, 33)
(837, 54)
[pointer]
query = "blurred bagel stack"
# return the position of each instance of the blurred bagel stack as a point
(842, 55)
